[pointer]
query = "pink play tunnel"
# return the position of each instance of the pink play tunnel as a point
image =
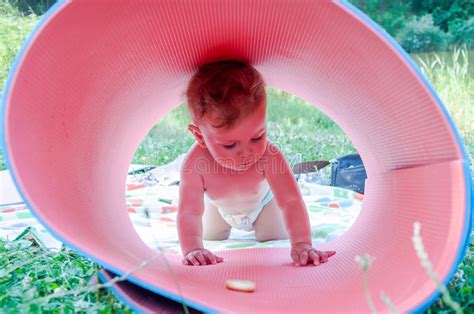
(95, 76)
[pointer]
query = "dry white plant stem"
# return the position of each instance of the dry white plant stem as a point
(425, 262)
(364, 262)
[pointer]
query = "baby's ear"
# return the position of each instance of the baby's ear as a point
(197, 135)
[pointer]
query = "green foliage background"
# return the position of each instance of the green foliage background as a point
(424, 25)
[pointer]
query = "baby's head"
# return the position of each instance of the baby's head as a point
(227, 102)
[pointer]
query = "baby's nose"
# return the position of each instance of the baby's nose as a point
(246, 153)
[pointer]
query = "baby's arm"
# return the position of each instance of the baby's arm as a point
(287, 194)
(295, 215)
(189, 217)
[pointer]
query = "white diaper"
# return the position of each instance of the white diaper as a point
(245, 221)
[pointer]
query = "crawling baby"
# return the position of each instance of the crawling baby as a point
(233, 177)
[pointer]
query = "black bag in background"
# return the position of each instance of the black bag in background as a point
(348, 172)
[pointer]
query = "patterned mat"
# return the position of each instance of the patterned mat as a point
(152, 199)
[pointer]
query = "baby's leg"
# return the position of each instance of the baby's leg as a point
(269, 224)
(214, 227)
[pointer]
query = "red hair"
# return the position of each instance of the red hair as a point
(230, 89)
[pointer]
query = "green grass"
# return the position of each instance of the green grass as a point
(14, 29)
(29, 275)
(455, 86)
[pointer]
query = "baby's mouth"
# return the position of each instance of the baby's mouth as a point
(243, 165)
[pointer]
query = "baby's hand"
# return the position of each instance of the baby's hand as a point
(201, 257)
(302, 253)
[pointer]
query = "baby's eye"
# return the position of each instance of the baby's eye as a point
(257, 139)
(229, 146)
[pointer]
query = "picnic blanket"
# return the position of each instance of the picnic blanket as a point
(152, 199)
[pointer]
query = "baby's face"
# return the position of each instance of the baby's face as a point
(240, 147)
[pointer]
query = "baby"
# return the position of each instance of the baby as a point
(233, 177)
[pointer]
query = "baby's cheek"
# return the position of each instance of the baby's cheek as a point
(220, 154)
(226, 155)
(261, 149)
(226, 158)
